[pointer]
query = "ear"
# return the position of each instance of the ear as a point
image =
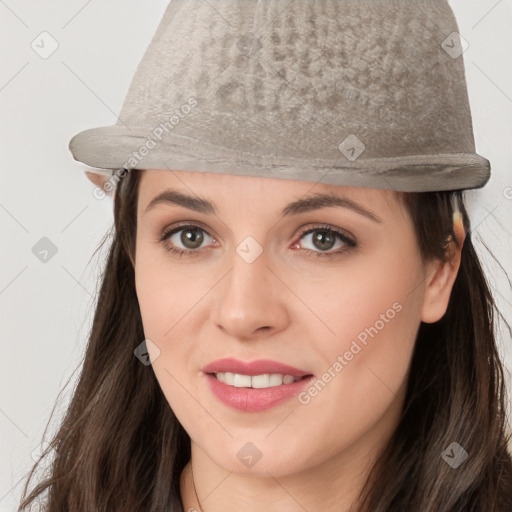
(97, 179)
(441, 275)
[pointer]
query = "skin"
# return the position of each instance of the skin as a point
(291, 307)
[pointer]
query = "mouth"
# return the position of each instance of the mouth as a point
(255, 393)
(262, 381)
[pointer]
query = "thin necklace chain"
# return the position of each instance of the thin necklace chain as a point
(195, 491)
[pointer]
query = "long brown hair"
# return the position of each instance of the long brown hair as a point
(120, 447)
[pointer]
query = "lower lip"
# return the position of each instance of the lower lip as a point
(253, 399)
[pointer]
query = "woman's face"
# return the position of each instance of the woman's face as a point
(252, 285)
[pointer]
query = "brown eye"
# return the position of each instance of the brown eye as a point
(192, 237)
(185, 239)
(324, 239)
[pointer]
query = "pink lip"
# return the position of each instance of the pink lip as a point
(252, 399)
(259, 367)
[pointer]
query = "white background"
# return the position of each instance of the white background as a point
(47, 307)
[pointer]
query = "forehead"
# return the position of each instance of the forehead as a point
(230, 187)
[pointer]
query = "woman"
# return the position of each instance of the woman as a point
(292, 314)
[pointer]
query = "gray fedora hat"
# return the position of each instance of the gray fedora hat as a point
(363, 93)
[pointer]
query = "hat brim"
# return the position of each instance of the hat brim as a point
(117, 147)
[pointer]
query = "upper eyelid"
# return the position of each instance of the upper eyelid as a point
(174, 228)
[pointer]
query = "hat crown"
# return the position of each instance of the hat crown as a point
(318, 69)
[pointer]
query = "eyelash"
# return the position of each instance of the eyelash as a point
(340, 234)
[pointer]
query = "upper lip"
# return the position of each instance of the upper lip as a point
(258, 367)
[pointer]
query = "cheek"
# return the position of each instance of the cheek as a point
(165, 291)
(365, 373)
(367, 365)
(165, 304)
(370, 317)
(170, 300)
(370, 296)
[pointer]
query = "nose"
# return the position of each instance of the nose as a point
(250, 300)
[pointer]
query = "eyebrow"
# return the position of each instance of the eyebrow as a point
(316, 202)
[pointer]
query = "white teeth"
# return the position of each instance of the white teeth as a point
(266, 380)
(241, 381)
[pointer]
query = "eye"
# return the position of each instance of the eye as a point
(325, 238)
(192, 236)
